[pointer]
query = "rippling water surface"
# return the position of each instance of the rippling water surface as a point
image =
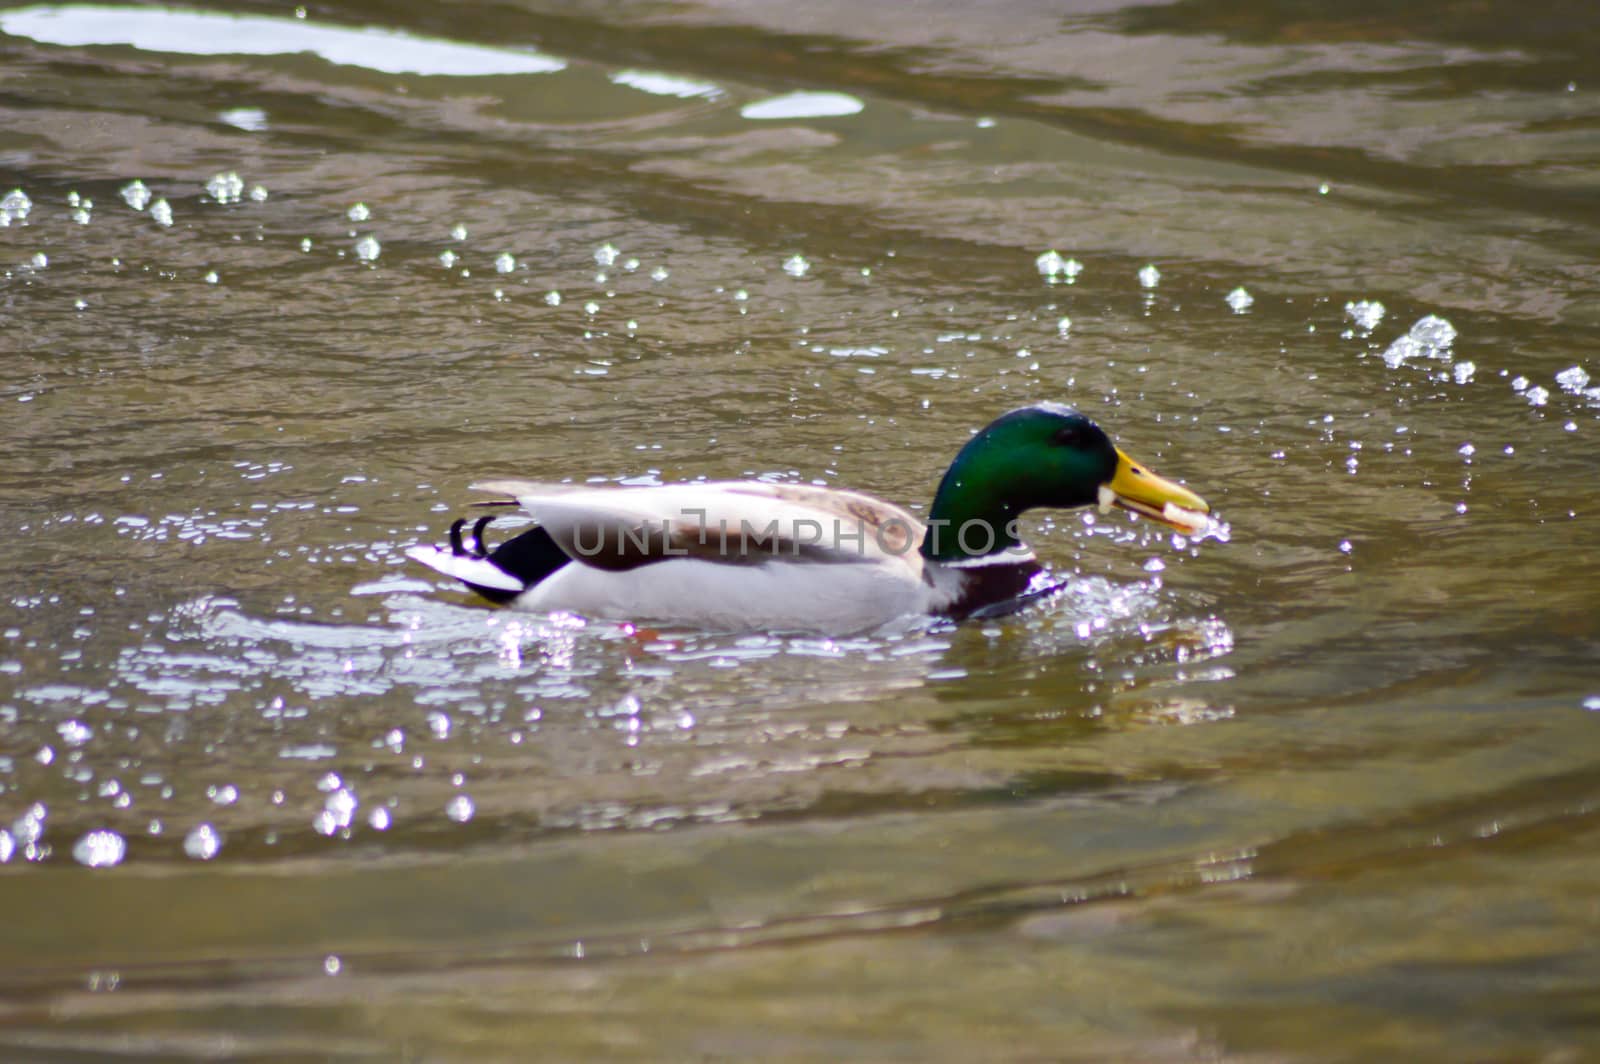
(278, 285)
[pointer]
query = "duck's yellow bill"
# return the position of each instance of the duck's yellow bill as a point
(1137, 489)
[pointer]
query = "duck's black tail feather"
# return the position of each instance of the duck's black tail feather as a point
(530, 557)
(499, 575)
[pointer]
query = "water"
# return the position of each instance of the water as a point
(1324, 789)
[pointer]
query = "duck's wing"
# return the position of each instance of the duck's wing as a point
(733, 522)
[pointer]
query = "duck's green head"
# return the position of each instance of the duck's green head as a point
(1042, 455)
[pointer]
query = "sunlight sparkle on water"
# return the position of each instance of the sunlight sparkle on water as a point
(659, 84)
(1240, 300)
(605, 255)
(796, 266)
(505, 262)
(368, 248)
(1149, 276)
(460, 809)
(448, 259)
(161, 211)
(249, 119)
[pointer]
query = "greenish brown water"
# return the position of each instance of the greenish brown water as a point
(1329, 790)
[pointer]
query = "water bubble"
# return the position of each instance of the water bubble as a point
(460, 809)
(331, 963)
(1367, 313)
(1433, 331)
(15, 205)
(338, 811)
(29, 827)
(368, 248)
(505, 262)
(358, 213)
(1324, 188)
(135, 194)
(1430, 337)
(202, 843)
(448, 258)
(161, 211)
(459, 232)
(1573, 379)
(605, 255)
(225, 187)
(100, 849)
(1240, 300)
(1053, 268)
(660, 273)
(258, 193)
(796, 266)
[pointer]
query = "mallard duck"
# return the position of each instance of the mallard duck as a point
(746, 555)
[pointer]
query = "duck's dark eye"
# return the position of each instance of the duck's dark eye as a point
(1068, 436)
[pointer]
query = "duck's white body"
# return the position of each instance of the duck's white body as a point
(741, 554)
(748, 555)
